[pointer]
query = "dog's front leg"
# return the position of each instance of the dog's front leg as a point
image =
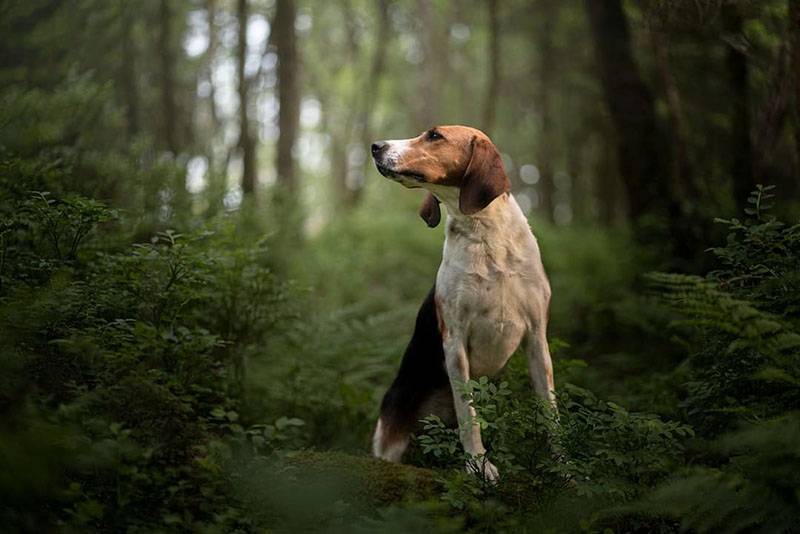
(457, 365)
(540, 366)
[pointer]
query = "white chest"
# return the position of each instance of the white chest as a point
(488, 285)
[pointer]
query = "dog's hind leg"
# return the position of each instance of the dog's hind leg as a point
(440, 403)
(421, 375)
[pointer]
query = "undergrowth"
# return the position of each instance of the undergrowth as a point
(182, 381)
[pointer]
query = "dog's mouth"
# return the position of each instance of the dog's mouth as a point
(399, 176)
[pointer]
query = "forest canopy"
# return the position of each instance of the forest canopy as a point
(206, 287)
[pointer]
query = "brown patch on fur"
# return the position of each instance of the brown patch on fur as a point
(430, 211)
(461, 157)
(442, 160)
(440, 321)
(391, 434)
(485, 178)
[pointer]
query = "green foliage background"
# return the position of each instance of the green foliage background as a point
(178, 360)
(182, 382)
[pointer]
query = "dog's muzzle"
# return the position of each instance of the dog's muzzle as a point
(379, 149)
(386, 166)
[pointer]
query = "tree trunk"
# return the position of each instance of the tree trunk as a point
(578, 190)
(370, 94)
(211, 53)
(794, 33)
(217, 161)
(547, 72)
(167, 64)
(128, 72)
(794, 17)
(344, 125)
(632, 111)
(246, 144)
(606, 180)
(493, 56)
(339, 167)
(431, 80)
(680, 168)
(289, 97)
(741, 157)
(772, 115)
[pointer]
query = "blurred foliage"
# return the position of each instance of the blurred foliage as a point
(177, 356)
(129, 358)
(171, 383)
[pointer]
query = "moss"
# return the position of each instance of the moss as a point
(376, 482)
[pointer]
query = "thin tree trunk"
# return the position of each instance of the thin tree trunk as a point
(377, 68)
(772, 116)
(794, 17)
(340, 165)
(289, 97)
(246, 143)
(167, 64)
(217, 162)
(546, 74)
(211, 54)
(578, 191)
(341, 168)
(493, 82)
(370, 93)
(680, 169)
(605, 183)
(632, 111)
(431, 79)
(351, 31)
(741, 157)
(128, 72)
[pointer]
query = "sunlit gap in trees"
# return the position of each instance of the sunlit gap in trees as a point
(313, 146)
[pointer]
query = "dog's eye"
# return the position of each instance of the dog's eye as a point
(433, 135)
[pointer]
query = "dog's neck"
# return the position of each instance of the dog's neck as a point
(447, 195)
(502, 214)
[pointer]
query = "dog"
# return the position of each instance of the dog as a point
(490, 296)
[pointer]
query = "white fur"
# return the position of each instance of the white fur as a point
(392, 452)
(396, 148)
(493, 294)
(391, 159)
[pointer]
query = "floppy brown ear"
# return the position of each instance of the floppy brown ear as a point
(485, 178)
(430, 211)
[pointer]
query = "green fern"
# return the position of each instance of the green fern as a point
(755, 491)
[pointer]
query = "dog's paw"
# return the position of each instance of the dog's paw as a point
(483, 468)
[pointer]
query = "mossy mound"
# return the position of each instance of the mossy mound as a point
(377, 482)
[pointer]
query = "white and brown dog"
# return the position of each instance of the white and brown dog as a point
(491, 292)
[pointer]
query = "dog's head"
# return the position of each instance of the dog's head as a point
(449, 156)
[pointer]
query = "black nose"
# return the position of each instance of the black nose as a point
(378, 147)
